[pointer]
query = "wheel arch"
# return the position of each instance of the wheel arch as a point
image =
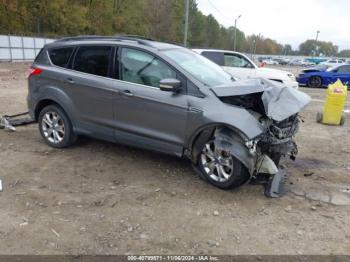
(42, 104)
(203, 134)
(51, 95)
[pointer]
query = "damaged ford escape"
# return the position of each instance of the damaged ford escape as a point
(166, 98)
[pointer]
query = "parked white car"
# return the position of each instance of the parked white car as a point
(301, 62)
(332, 62)
(270, 62)
(239, 65)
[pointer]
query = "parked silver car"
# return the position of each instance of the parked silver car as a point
(165, 98)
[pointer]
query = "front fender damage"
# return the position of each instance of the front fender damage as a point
(253, 159)
(245, 152)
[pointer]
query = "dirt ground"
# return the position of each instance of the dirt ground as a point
(103, 198)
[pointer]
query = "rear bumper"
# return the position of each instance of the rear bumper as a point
(31, 107)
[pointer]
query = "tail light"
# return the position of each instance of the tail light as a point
(33, 71)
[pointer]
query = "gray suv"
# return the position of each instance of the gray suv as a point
(166, 98)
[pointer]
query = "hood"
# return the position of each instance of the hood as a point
(320, 68)
(279, 101)
(273, 72)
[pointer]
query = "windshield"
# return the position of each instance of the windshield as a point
(332, 68)
(201, 68)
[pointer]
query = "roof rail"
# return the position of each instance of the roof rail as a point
(84, 37)
(139, 39)
(134, 37)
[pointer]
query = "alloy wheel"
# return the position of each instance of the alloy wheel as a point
(53, 127)
(217, 163)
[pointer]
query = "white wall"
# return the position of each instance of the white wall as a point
(21, 48)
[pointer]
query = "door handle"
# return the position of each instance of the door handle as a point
(127, 93)
(70, 80)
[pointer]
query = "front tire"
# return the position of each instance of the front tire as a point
(55, 127)
(314, 82)
(221, 168)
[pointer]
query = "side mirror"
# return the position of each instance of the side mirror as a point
(169, 84)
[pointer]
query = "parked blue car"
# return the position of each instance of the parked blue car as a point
(315, 60)
(320, 76)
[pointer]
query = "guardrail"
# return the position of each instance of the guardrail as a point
(21, 48)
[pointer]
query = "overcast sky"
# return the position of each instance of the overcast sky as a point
(287, 21)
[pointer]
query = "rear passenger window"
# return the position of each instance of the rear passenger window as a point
(216, 57)
(60, 56)
(93, 60)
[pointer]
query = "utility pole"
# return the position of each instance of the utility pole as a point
(186, 21)
(317, 33)
(235, 40)
(256, 42)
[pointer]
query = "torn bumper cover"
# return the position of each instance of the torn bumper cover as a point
(245, 152)
(256, 161)
(9, 123)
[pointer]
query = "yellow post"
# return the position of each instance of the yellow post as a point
(334, 105)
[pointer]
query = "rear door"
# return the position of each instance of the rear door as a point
(343, 73)
(92, 89)
(146, 116)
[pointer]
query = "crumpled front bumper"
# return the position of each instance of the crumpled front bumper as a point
(291, 83)
(250, 153)
(259, 160)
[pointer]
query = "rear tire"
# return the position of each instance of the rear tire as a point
(319, 117)
(314, 82)
(55, 127)
(221, 168)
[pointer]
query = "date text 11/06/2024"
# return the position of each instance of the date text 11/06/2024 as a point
(173, 258)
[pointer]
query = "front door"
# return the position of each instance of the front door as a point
(342, 73)
(239, 66)
(146, 116)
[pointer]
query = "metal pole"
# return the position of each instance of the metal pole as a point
(186, 21)
(318, 31)
(34, 46)
(10, 48)
(234, 42)
(255, 40)
(23, 53)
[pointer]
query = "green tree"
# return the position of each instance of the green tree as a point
(311, 47)
(158, 19)
(344, 53)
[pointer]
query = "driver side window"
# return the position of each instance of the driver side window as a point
(232, 60)
(142, 68)
(343, 69)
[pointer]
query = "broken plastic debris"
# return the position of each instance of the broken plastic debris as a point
(55, 232)
(309, 174)
(4, 123)
(347, 190)
(0, 185)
